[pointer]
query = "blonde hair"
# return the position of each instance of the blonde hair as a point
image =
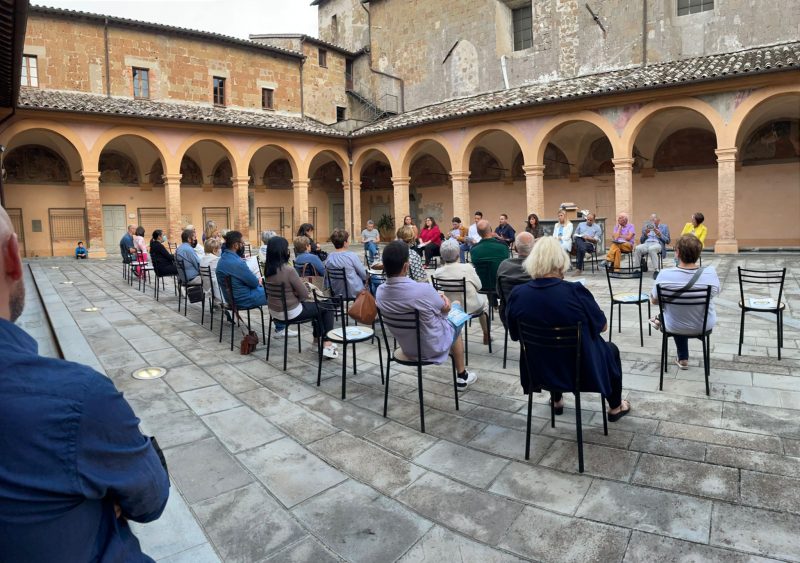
(211, 246)
(406, 234)
(211, 230)
(547, 257)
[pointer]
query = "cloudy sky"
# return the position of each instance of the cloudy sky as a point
(237, 18)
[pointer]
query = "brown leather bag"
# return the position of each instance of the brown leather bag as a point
(249, 341)
(364, 309)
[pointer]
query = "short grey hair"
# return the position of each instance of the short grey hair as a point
(266, 235)
(370, 222)
(449, 251)
(524, 243)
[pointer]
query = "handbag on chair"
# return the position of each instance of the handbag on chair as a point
(364, 309)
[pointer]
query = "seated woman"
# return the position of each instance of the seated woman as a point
(697, 228)
(279, 272)
(453, 270)
(307, 230)
(562, 231)
(141, 247)
(415, 270)
(212, 248)
(343, 258)
(163, 263)
(304, 260)
(549, 301)
(431, 237)
(686, 319)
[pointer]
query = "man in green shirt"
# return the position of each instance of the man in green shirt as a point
(487, 255)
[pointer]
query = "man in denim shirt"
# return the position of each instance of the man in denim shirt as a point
(586, 236)
(190, 261)
(654, 240)
(74, 467)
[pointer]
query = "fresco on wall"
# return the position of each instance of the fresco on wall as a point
(278, 175)
(328, 177)
(774, 141)
(156, 174)
(223, 174)
(427, 171)
(35, 164)
(556, 164)
(191, 175)
(484, 167)
(686, 149)
(597, 161)
(116, 168)
(376, 176)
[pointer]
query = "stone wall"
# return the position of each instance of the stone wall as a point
(350, 27)
(323, 88)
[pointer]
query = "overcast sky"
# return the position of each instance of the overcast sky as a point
(237, 18)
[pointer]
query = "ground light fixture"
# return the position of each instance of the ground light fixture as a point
(90, 309)
(150, 372)
(67, 282)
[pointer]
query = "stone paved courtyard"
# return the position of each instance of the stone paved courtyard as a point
(268, 466)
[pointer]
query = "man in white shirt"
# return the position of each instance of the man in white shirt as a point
(473, 237)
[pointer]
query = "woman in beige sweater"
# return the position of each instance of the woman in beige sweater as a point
(279, 272)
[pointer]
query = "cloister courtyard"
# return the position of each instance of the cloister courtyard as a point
(266, 465)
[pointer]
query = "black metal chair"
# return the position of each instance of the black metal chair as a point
(141, 268)
(459, 287)
(339, 275)
(207, 280)
(277, 291)
(504, 287)
(408, 321)
(183, 287)
(696, 297)
(379, 279)
(547, 353)
(247, 250)
(230, 305)
(589, 256)
(758, 302)
(620, 298)
(487, 272)
(345, 336)
(172, 246)
(161, 278)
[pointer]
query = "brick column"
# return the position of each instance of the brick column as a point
(300, 199)
(726, 201)
(460, 180)
(172, 197)
(401, 204)
(534, 189)
(241, 209)
(94, 215)
(623, 185)
(352, 216)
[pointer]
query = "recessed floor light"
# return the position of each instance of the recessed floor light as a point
(55, 267)
(149, 373)
(67, 282)
(90, 309)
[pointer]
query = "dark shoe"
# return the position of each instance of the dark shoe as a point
(620, 414)
(558, 410)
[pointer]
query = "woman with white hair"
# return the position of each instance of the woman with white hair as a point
(453, 270)
(262, 252)
(548, 301)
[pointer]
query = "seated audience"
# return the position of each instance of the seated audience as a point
(279, 272)
(431, 237)
(505, 232)
(490, 250)
(562, 231)
(512, 270)
(211, 231)
(697, 228)
(654, 241)
(126, 245)
(533, 227)
(548, 301)
(621, 241)
(163, 262)
(686, 319)
(458, 232)
(473, 237)
(191, 263)
(453, 270)
(246, 287)
(197, 247)
(587, 236)
(80, 251)
(400, 295)
(141, 248)
(307, 230)
(212, 249)
(343, 258)
(370, 237)
(415, 270)
(262, 251)
(304, 261)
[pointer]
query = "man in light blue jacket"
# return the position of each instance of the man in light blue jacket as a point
(190, 273)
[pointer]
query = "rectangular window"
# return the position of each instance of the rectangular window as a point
(141, 83)
(30, 71)
(219, 91)
(341, 114)
(267, 98)
(686, 7)
(323, 58)
(522, 19)
(334, 26)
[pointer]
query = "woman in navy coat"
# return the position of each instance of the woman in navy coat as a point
(549, 301)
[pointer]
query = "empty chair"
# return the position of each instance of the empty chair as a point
(753, 300)
(620, 297)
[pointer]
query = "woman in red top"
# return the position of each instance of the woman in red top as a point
(431, 235)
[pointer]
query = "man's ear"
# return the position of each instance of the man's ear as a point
(11, 261)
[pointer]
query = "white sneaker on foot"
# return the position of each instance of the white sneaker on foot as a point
(330, 352)
(462, 383)
(283, 333)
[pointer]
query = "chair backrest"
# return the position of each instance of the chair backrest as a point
(208, 286)
(336, 305)
(305, 270)
(227, 294)
(340, 276)
(276, 291)
(696, 297)
(247, 250)
(623, 274)
(552, 356)
(400, 321)
(173, 246)
(761, 279)
(487, 272)
(452, 286)
(181, 265)
(505, 285)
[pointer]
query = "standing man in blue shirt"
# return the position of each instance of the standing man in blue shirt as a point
(74, 467)
(587, 236)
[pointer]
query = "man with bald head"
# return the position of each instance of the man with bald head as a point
(490, 250)
(74, 467)
(621, 240)
(511, 272)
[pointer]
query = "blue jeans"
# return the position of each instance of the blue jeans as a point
(682, 344)
(372, 250)
(462, 251)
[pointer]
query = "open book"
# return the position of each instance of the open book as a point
(457, 316)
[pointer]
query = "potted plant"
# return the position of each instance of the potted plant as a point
(385, 226)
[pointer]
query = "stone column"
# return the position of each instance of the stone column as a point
(300, 199)
(534, 189)
(352, 215)
(241, 207)
(172, 197)
(460, 180)
(94, 215)
(623, 185)
(401, 203)
(726, 202)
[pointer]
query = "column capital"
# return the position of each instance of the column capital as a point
(171, 178)
(622, 163)
(90, 177)
(240, 179)
(726, 155)
(401, 180)
(301, 183)
(459, 175)
(533, 169)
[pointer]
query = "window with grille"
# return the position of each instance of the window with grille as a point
(522, 19)
(271, 219)
(219, 91)
(68, 224)
(686, 7)
(323, 58)
(141, 83)
(152, 218)
(267, 98)
(220, 215)
(30, 71)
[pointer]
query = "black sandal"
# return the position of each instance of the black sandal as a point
(620, 414)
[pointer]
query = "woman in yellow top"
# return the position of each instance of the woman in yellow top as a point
(696, 228)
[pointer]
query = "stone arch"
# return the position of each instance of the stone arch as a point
(417, 146)
(191, 173)
(539, 144)
(365, 155)
(484, 166)
(286, 152)
(58, 138)
(426, 170)
(737, 124)
(35, 164)
(334, 153)
(227, 149)
(116, 167)
(476, 135)
(686, 148)
(114, 136)
(278, 175)
(223, 172)
(777, 140)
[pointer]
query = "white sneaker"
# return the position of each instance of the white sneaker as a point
(330, 353)
(463, 383)
(283, 333)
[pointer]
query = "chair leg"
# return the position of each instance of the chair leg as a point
(619, 318)
(269, 335)
(489, 329)
(211, 305)
(233, 327)
(285, 347)
(552, 414)
(344, 369)
(263, 336)
(380, 360)
(386, 386)
(706, 360)
(579, 427)
(355, 368)
(605, 414)
(611, 322)
(649, 315)
(202, 310)
(466, 344)
(455, 383)
(779, 316)
(741, 332)
(319, 361)
(505, 349)
(421, 405)
(221, 323)
(299, 343)
(528, 432)
(664, 350)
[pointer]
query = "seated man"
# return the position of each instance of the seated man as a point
(621, 241)
(654, 241)
(370, 237)
(305, 262)
(190, 273)
(512, 270)
(473, 237)
(586, 236)
(126, 245)
(505, 232)
(80, 251)
(489, 250)
(248, 292)
(400, 294)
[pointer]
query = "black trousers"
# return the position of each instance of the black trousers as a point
(615, 399)
(431, 250)
(311, 311)
(581, 248)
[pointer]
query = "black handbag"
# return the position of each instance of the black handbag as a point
(195, 293)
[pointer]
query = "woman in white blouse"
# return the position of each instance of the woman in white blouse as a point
(563, 231)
